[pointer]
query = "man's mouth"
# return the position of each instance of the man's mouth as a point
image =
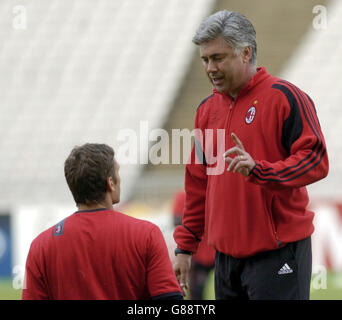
(217, 81)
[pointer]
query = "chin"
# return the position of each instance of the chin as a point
(221, 89)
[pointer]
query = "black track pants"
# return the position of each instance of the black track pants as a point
(282, 274)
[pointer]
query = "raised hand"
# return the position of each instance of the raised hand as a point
(242, 162)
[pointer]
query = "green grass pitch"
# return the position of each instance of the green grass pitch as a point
(333, 289)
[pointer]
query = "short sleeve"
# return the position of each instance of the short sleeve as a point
(34, 285)
(161, 279)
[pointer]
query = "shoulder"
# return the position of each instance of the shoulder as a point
(142, 233)
(204, 109)
(205, 101)
(288, 90)
(46, 236)
(41, 240)
(135, 225)
(280, 94)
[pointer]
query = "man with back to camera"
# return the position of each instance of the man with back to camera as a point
(246, 186)
(97, 252)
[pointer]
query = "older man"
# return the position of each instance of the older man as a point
(249, 189)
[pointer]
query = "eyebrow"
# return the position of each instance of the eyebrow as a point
(213, 55)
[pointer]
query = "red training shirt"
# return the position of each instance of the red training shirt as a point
(99, 254)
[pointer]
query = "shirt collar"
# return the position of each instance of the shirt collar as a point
(91, 210)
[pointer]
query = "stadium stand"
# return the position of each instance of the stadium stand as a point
(80, 71)
(316, 67)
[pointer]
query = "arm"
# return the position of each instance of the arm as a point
(188, 235)
(34, 284)
(182, 268)
(302, 138)
(161, 280)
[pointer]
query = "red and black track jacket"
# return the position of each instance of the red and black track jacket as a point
(278, 126)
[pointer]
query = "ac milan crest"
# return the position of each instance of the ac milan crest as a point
(58, 228)
(250, 115)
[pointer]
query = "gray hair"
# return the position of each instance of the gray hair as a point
(234, 27)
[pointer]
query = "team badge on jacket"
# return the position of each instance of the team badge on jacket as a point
(250, 115)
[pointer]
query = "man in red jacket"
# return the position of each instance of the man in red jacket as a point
(258, 144)
(97, 252)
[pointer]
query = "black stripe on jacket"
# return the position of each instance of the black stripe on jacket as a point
(293, 125)
(291, 130)
(193, 233)
(205, 100)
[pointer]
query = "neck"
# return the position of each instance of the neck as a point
(107, 203)
(250, 72)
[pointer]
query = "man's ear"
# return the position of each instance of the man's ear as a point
(110, 184)
(247, 54)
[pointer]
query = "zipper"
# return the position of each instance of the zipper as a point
(229, 115)
(272, 221)
(231, 104)
(274, 230)
(276, 235)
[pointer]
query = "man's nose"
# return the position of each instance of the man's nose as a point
(211, 67)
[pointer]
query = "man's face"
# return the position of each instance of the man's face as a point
(223, 66)
(116, 191)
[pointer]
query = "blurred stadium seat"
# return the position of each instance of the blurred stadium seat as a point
(316, 67)
(79, 72)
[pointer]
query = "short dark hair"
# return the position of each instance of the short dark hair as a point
(86, 171)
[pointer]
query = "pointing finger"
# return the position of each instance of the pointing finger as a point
(237, 141)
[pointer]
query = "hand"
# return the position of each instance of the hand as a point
(182, 270)
(242, 162)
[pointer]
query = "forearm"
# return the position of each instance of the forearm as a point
(189, 233)
(301, 169)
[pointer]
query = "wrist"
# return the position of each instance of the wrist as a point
(180, 251)
(250, 171)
